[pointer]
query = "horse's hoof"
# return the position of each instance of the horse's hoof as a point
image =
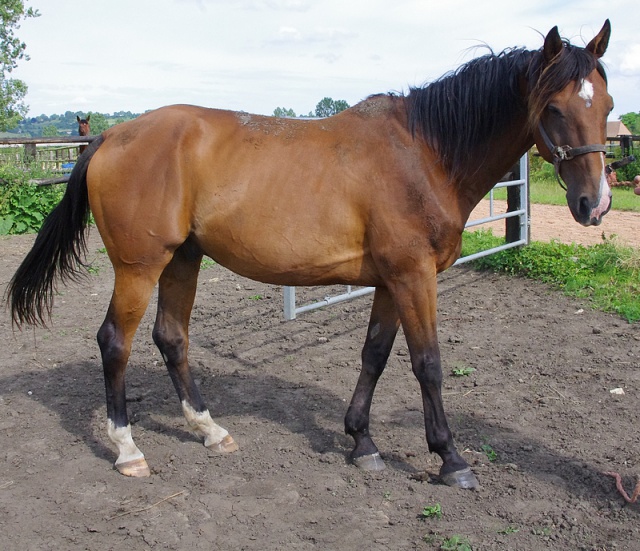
(371, 462)
(461, 479)
(226, 445)
(137, 468)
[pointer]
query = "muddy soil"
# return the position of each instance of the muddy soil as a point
(540, 399)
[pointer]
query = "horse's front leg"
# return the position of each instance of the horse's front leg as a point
(416, 297)
(383, 326)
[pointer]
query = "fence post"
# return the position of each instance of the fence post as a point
(29, 152)
(289, 303)
(515, 201)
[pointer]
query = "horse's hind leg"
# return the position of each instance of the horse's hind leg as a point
(177, 290)
(383, 327)
(130, 298)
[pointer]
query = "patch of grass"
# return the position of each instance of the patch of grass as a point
(207, 263)
(456, 543)
(431, 511)
(479, 240)
(255, 297)
(462, 371)
(509, 530)
(491, 454)
(607, 274)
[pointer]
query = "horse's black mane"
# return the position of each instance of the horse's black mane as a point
(459, 113)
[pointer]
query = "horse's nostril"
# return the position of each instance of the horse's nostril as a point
(584, 207)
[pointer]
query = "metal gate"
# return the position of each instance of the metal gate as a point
(516, 218)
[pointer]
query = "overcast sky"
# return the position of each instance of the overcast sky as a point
(256, 55)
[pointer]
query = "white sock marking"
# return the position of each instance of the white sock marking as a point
(121, 437)
(203, 425)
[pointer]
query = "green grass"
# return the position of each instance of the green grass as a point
(207, 263)
(462, 371)
(491, 454)
(546, 191)
(431, 511)
(607, 274)
(456, 543)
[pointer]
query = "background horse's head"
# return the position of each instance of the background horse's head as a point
(84, 129)
(569, 105)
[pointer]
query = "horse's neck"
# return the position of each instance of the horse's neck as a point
(487, 169)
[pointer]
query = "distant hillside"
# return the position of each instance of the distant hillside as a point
(66, 124)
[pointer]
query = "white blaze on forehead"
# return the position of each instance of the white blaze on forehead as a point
(586, 92)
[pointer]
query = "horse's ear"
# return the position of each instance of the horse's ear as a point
(552, 45)
(88, 118)
(77, 118)
(598, 46)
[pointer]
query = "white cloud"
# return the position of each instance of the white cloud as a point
(254, 55)
(286, 35)
(630, 62)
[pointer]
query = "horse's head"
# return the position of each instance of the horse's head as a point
(569, 109)
(84, 129)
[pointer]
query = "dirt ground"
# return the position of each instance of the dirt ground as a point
(540, 398)
(554, 222)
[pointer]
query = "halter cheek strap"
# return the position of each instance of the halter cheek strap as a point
(566, 152)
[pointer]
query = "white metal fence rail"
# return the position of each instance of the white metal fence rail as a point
(520, 210)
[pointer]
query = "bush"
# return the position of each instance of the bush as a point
(23, 205)
(629, 172)
(539, 169)
(546, 172)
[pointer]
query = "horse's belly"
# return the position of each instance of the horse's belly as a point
(288, 257)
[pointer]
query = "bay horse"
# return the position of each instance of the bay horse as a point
(84, 129)
(377, 195)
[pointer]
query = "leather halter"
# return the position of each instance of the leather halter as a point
(566, 152)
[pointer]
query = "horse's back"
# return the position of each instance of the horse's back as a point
(279, 200)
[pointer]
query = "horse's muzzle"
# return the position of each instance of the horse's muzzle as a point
(588, 215)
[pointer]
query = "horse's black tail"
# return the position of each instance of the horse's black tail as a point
(58, 252)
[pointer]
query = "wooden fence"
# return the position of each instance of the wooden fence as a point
(49, 153)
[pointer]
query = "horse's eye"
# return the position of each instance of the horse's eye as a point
(553, 110)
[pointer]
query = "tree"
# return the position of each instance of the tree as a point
(327, 107)
(50, 130)
(99, 123)
(12, 50)
(284, 112)
(632, 122)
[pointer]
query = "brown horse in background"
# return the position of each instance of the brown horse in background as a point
(84, 129)
(377, 195)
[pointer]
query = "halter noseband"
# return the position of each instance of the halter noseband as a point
(566, 152)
